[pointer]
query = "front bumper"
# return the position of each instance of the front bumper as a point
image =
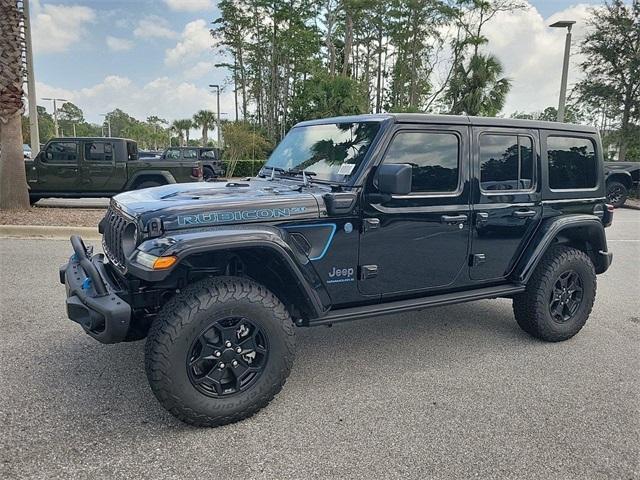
(92, 298)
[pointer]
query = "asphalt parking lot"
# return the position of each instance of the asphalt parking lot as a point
(453, 392)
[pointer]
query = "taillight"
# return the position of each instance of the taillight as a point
(608, 217)
(196, 171)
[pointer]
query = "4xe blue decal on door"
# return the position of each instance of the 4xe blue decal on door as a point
(212, 218)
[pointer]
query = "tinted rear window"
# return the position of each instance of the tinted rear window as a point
(506, 162)
(572, 163)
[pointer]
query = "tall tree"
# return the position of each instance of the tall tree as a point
(182, 127)
(478, 88)
(13, 181)
(205, 119)
(612, 66)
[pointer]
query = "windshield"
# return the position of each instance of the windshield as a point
(330, 152)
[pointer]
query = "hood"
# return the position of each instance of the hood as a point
(202, 204)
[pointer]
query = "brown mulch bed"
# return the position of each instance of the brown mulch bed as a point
(65, 217)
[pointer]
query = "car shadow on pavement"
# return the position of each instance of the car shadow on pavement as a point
(98, 386)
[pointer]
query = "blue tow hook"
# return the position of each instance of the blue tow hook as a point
(86, 284)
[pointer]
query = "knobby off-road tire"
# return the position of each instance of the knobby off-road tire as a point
(533, 308)
(617, 193)
(180, 325)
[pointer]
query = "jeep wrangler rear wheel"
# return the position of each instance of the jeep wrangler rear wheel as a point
(559, 297)
(219, 351)
(148, 184)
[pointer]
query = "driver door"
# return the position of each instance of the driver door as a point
(417, 242)
(58, 167)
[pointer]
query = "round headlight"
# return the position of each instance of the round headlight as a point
(129, 239)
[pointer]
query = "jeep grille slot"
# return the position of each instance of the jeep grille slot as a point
(114, 227)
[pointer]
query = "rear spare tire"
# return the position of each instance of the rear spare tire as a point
(219, 351)
(559, 296)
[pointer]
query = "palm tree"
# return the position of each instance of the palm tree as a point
(13, 181)
(182, 127)
(207, 120)
(478, 88)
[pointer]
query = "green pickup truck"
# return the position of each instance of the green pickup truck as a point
(101, 167)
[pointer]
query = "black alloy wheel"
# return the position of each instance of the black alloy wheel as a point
(566, 296)
(227, 357)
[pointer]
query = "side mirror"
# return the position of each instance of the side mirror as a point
(394, 178)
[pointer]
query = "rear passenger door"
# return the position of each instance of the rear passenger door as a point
(99, 167)
(507, 203)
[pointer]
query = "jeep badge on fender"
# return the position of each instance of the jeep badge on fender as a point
(402, 212)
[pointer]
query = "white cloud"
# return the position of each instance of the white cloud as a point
(153, 26)
(165, 97)
(532, 54)
(199, 70)
(189, 5)
(57, 27)
(118, 44)
(194, 40)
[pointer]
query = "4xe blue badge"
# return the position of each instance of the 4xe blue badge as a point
(340, 275)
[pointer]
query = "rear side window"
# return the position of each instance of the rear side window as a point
(98, 152)
(190, 154)
(62, 152)
(506, 162)
(172, 154)
(132, 151)
(572, 163)
(433, 157)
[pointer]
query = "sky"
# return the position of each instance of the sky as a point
(156, 57)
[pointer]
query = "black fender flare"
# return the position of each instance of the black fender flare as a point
(588, 228)
(621, 176)
(275, 240)
(149, 173)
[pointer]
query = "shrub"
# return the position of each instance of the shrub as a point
(246, 168)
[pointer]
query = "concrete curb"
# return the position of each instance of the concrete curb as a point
(631, 207)
(48, 232)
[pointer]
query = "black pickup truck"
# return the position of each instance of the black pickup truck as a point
(621, 177)
(75, 167)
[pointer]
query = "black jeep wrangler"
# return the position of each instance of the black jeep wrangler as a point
(351, 217)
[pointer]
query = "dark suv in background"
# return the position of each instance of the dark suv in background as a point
(211, 159)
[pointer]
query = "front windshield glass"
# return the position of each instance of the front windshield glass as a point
(332, 152)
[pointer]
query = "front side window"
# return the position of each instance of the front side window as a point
(433, 157)
(506, 162)
(62, 152)
(330, 152)
(572, 163)
(98, 152)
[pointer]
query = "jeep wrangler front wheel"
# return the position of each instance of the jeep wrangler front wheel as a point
(219, 351)
(559, 297)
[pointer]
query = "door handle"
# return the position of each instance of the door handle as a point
(453, 218)
(524, 213)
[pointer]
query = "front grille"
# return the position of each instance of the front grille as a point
(113, 229)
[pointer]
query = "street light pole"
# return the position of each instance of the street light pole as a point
(31, 84)
(106, 117)
(217, 87)
(55, 113)
(565, 66)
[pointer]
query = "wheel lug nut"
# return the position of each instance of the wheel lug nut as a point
(238, 350)
(234, 363)
(222, 365)
(216, 353)
(227, 344)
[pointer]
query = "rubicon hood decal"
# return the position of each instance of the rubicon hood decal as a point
(195, 205)
(236, 216)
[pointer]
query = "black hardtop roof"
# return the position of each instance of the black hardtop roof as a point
(426, 118)
(71, 139)
(191, 148)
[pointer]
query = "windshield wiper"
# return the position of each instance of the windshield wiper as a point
(297, 171)
(273, 171)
